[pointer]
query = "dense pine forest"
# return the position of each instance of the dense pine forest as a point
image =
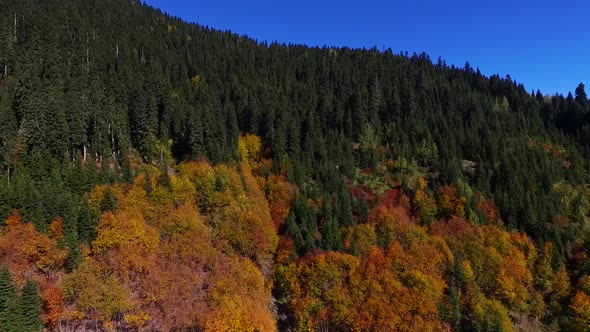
(157, 175)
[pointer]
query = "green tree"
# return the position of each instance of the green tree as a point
(31, 307)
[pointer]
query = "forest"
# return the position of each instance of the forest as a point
(160, 175)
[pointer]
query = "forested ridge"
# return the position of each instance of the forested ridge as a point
(158, 175)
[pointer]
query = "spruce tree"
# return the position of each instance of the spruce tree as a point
(31, 307)
(9, 303)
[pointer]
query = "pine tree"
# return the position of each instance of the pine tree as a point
(581, 96)
(31, 307)
(9, 302)
(7, 290)
(108, 202)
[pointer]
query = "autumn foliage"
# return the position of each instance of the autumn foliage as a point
(195, 254)
(204, 247)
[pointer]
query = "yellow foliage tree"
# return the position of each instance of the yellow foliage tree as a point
(124, 227)
(249, 149)
(96, 291)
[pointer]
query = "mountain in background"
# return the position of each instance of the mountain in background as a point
(176, 177)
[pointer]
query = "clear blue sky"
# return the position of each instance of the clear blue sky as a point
(543, 44)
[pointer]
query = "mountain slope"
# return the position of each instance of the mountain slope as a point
(91, 90)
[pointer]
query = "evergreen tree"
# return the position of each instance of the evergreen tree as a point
(10, 309)
(31, 307)
(581, 97)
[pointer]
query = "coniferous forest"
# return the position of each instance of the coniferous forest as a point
(157, 175)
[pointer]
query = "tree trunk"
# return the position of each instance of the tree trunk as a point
(87, 54)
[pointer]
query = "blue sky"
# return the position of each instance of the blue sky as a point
(544, 45)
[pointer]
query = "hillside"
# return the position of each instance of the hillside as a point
(160, 175)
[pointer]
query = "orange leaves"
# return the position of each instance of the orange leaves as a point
(249, 233)
(500, 264)
(14, 219)
(159, 262)
(171, 290)
(488, 208)
(30, 254)
(450, 203)
(581, 307)
(23, 249)
(317, 282)
(402, 296)
(56, 230)
(191, 283)
(454, 227)
(395, 289)
(54, 302)
(280, 195)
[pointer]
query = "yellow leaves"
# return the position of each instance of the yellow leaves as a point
(320, 281)
(506, 285)
(467, 271)
(196, 81)
(240, 213)
(137, 320)
(202, 176)
(363, 239)
(526, 246)
(492, 315)
(227, 179)
(495, 262)
(240, 298)
(97, 291)
(584, 284)
(425, 202)
(183, 190)
(180, 219)
(560, 285)
(97, 195)
(237, 314)
(249, 149)
(124, 227)
(420, 282)
(183, 266)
